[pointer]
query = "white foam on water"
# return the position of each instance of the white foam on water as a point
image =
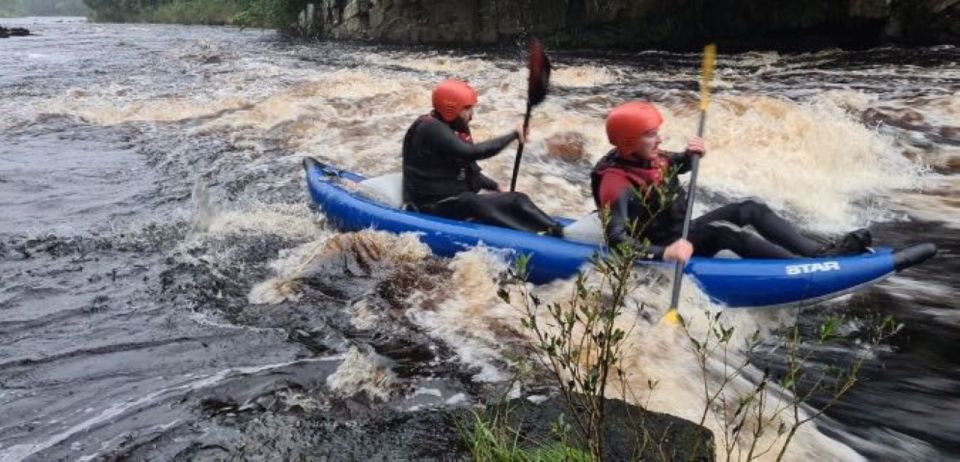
(812, 159)
(467, 315)
(292, 221)
(362, 252)
(583, 76)
(364, 372)
(939, 200)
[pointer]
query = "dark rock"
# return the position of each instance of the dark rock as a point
(566, 145)
(679, 24)
(626, 424)
(13, 32)
(435, 434)
(921, 22)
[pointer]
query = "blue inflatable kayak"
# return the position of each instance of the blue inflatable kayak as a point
(732, 282)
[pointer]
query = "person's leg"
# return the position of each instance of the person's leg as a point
(516, 211)
(459, 207)
(770, 225)
(708, 239)
(499, 209)
(525, 210)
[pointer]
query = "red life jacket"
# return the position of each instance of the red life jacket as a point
(612, 175)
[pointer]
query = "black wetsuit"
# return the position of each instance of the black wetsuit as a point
(441, 177)
(659, 212)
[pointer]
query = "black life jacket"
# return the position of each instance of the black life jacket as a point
(431, 176)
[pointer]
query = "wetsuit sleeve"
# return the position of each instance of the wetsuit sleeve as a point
(446, 141)
(682, 161)
(618, 228)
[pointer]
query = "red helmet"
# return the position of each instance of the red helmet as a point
(452, 96)
(628, 122)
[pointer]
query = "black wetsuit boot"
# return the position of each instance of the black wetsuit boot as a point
(853, 243)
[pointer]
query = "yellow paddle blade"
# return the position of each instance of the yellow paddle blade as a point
(672, 318)
(706, 74)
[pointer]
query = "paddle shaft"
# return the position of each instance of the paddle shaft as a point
(516, 162)
(691, 195)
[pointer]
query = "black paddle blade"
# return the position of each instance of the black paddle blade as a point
(539, 82)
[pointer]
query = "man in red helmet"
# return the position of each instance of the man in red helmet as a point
(638, 183)
(440, 172)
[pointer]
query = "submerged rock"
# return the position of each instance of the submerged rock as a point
(566, 145)
(13, 32)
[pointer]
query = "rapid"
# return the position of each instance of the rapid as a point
(167, 290)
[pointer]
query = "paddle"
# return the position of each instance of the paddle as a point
(706, 74)
(537, 84)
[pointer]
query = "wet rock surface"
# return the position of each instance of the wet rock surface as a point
(734, 24)
(355, 431)
(13, 32)
(568, 146)
(631, 432)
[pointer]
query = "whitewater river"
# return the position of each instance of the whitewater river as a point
(166, 291)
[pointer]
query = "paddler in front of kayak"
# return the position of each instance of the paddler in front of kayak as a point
(637, 183)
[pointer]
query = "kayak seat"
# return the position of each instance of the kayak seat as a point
(385, 189)
(587, 229)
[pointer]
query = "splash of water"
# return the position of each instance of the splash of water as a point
(363, 372)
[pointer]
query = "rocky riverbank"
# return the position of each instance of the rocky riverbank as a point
(638, 24)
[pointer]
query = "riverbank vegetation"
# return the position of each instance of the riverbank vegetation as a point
(757, 390)
(279, 14)
(14, 8)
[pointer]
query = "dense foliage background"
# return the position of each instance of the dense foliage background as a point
(260, 13)
(10, 8)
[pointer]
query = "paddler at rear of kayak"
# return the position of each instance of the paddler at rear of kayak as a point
(637, 183)
(440, 172)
